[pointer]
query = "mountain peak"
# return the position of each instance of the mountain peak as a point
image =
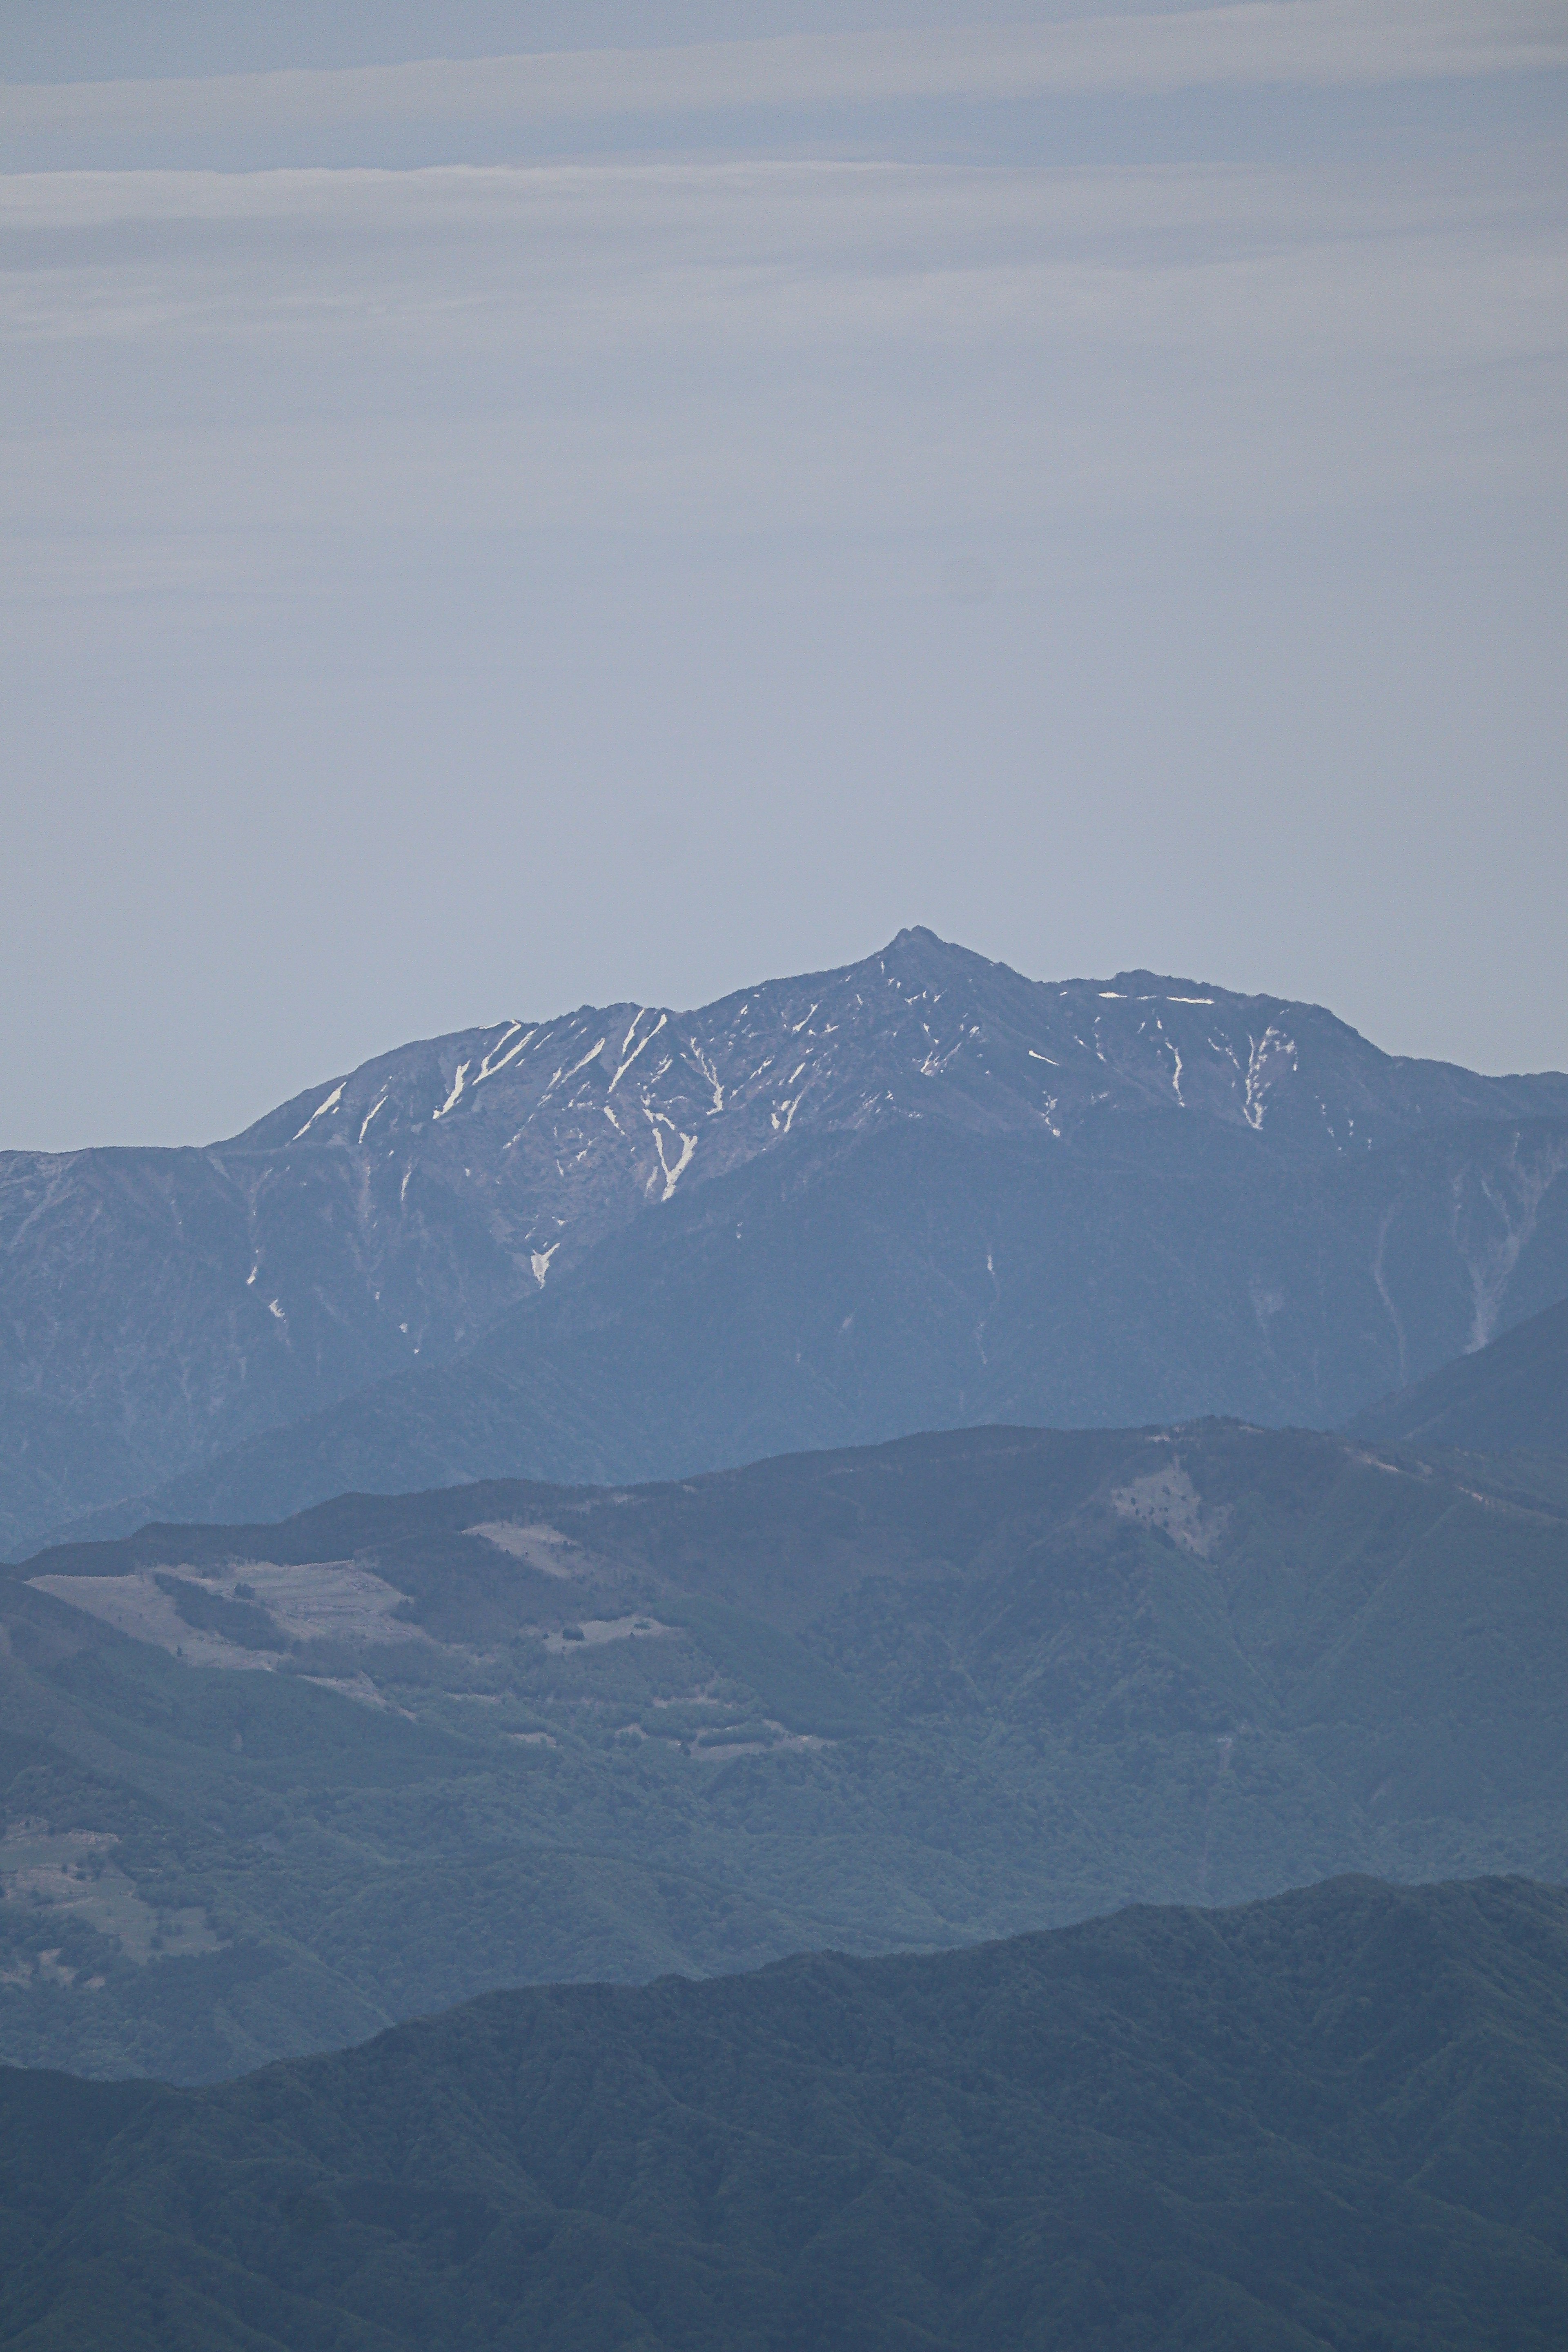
(386, 1216)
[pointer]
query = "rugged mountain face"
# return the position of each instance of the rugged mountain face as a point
(1333, 2119)
(836, 1293)
(265, 1789)
(160, 1307)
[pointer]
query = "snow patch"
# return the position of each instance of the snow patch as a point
(330, 1104)
(488, 1067)
(711, 1073)
(673, 1175)
(1273, 1046)
(463, 1068)
(629, 1058)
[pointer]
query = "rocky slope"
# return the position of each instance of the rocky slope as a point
(158, 1309)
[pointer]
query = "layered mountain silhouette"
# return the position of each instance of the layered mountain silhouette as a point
(919, 1191)
(1336, 2118)
(268, 1789)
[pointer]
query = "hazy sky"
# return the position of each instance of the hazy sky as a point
(664, 496)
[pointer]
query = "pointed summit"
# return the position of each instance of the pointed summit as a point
(380, 1222)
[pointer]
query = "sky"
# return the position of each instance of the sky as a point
(504, 507)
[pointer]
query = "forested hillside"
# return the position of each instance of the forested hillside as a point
(1336, 2118)
(267, 1789)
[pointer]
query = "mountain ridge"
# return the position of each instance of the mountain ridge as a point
(265, 1787)
(1332, 2118)
(159, 1308)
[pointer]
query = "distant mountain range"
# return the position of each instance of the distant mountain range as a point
(919, 1190)
(266, 1790)
(1333, 2119)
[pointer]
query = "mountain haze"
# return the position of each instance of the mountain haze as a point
(1336, 2118)
(631, 1242)
(268, 1789)
(1511, 1396)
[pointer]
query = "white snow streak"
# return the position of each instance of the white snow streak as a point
(371, 1114)
(1272, 1040)
(334, 1100)
(540, 1262)
(592, 1053)
(456, 1089)
(709, 1072)
(636, 1049)
(489, 1068)
(672, 1176)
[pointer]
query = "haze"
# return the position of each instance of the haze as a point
(678, 503)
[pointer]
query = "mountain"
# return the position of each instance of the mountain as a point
(268, 1789)
(1509, 1396)
(628, 1244)
(1335, 2119)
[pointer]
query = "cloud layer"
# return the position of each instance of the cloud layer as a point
(1096, 488)
(761, 346)
(1258, 43)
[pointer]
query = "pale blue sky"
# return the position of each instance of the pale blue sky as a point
(484, 535)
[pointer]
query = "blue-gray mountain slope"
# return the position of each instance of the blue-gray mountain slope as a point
(1334, 2119)
(919, 1190)
(1508, 1397)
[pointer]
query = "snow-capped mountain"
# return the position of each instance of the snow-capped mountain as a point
(162, 1306)
(571, 1120)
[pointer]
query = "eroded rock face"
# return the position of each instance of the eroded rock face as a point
(157, 1308)
(1166, 1498)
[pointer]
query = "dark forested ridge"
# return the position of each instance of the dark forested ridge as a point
(1511, 1396)
(917, 1192)
(268, 1789)
(1336, 2118)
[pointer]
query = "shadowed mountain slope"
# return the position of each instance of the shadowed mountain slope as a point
(1511, 1396)
(1336, 2118)
(845, 1291)
(917, 1190)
